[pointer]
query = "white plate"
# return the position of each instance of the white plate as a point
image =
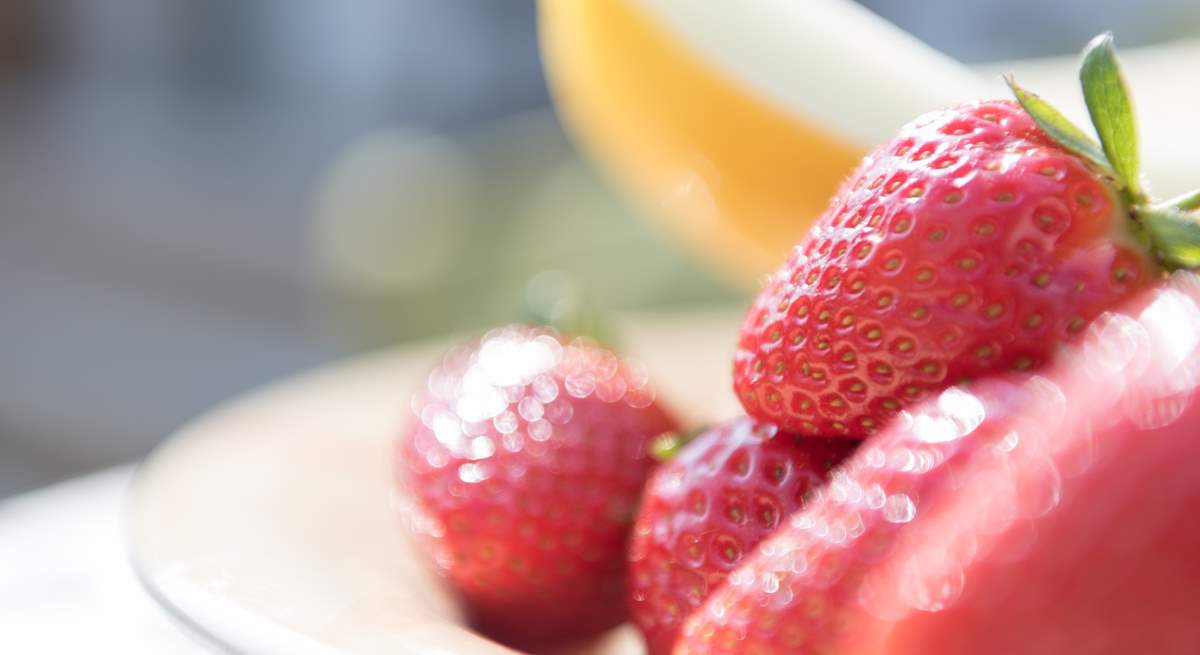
(267, 526)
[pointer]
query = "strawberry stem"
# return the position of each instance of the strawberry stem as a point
(554, 299)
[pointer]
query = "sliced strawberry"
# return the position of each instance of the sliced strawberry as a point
(710, 505)
(1039, 515)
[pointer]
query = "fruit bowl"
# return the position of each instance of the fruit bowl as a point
(269, 526)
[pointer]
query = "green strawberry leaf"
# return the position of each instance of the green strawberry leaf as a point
(1186, 202)
(667, 445)
(1174, 234)
(1059, 127)
(1107, 99)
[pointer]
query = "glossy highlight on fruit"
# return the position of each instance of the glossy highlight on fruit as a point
(707, 507)
(970, 244)
(1035, 514)
(524, 458)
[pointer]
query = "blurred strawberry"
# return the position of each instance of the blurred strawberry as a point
(981, 239)
(707, 507)
(1037, 515)
(524, 461)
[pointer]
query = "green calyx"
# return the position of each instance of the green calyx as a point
(556, 300)
(1171, 228)
(667, 445)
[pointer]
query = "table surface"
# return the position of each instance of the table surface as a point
(63, 564)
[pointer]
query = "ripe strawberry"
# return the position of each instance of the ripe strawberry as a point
(981, 239)
(1034, 515)
(524, 461)
(724, 492)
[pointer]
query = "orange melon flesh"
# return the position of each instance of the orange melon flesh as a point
(736, 177)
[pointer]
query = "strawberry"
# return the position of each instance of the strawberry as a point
(1037, 515)
(523, 464)
(705, 508)
(980, 239)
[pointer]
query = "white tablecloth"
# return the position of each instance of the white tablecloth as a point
(65, 581)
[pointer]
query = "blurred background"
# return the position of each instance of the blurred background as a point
(199, 197)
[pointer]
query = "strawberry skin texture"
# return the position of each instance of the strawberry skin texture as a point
(1038, 515)
(970, 244)
(707, 507)
(523, 463)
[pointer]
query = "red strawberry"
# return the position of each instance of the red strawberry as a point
(525, 459)
(723, 493)
(1036, 515)
(981, 239)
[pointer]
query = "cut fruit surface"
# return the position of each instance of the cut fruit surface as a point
(1037, 515)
